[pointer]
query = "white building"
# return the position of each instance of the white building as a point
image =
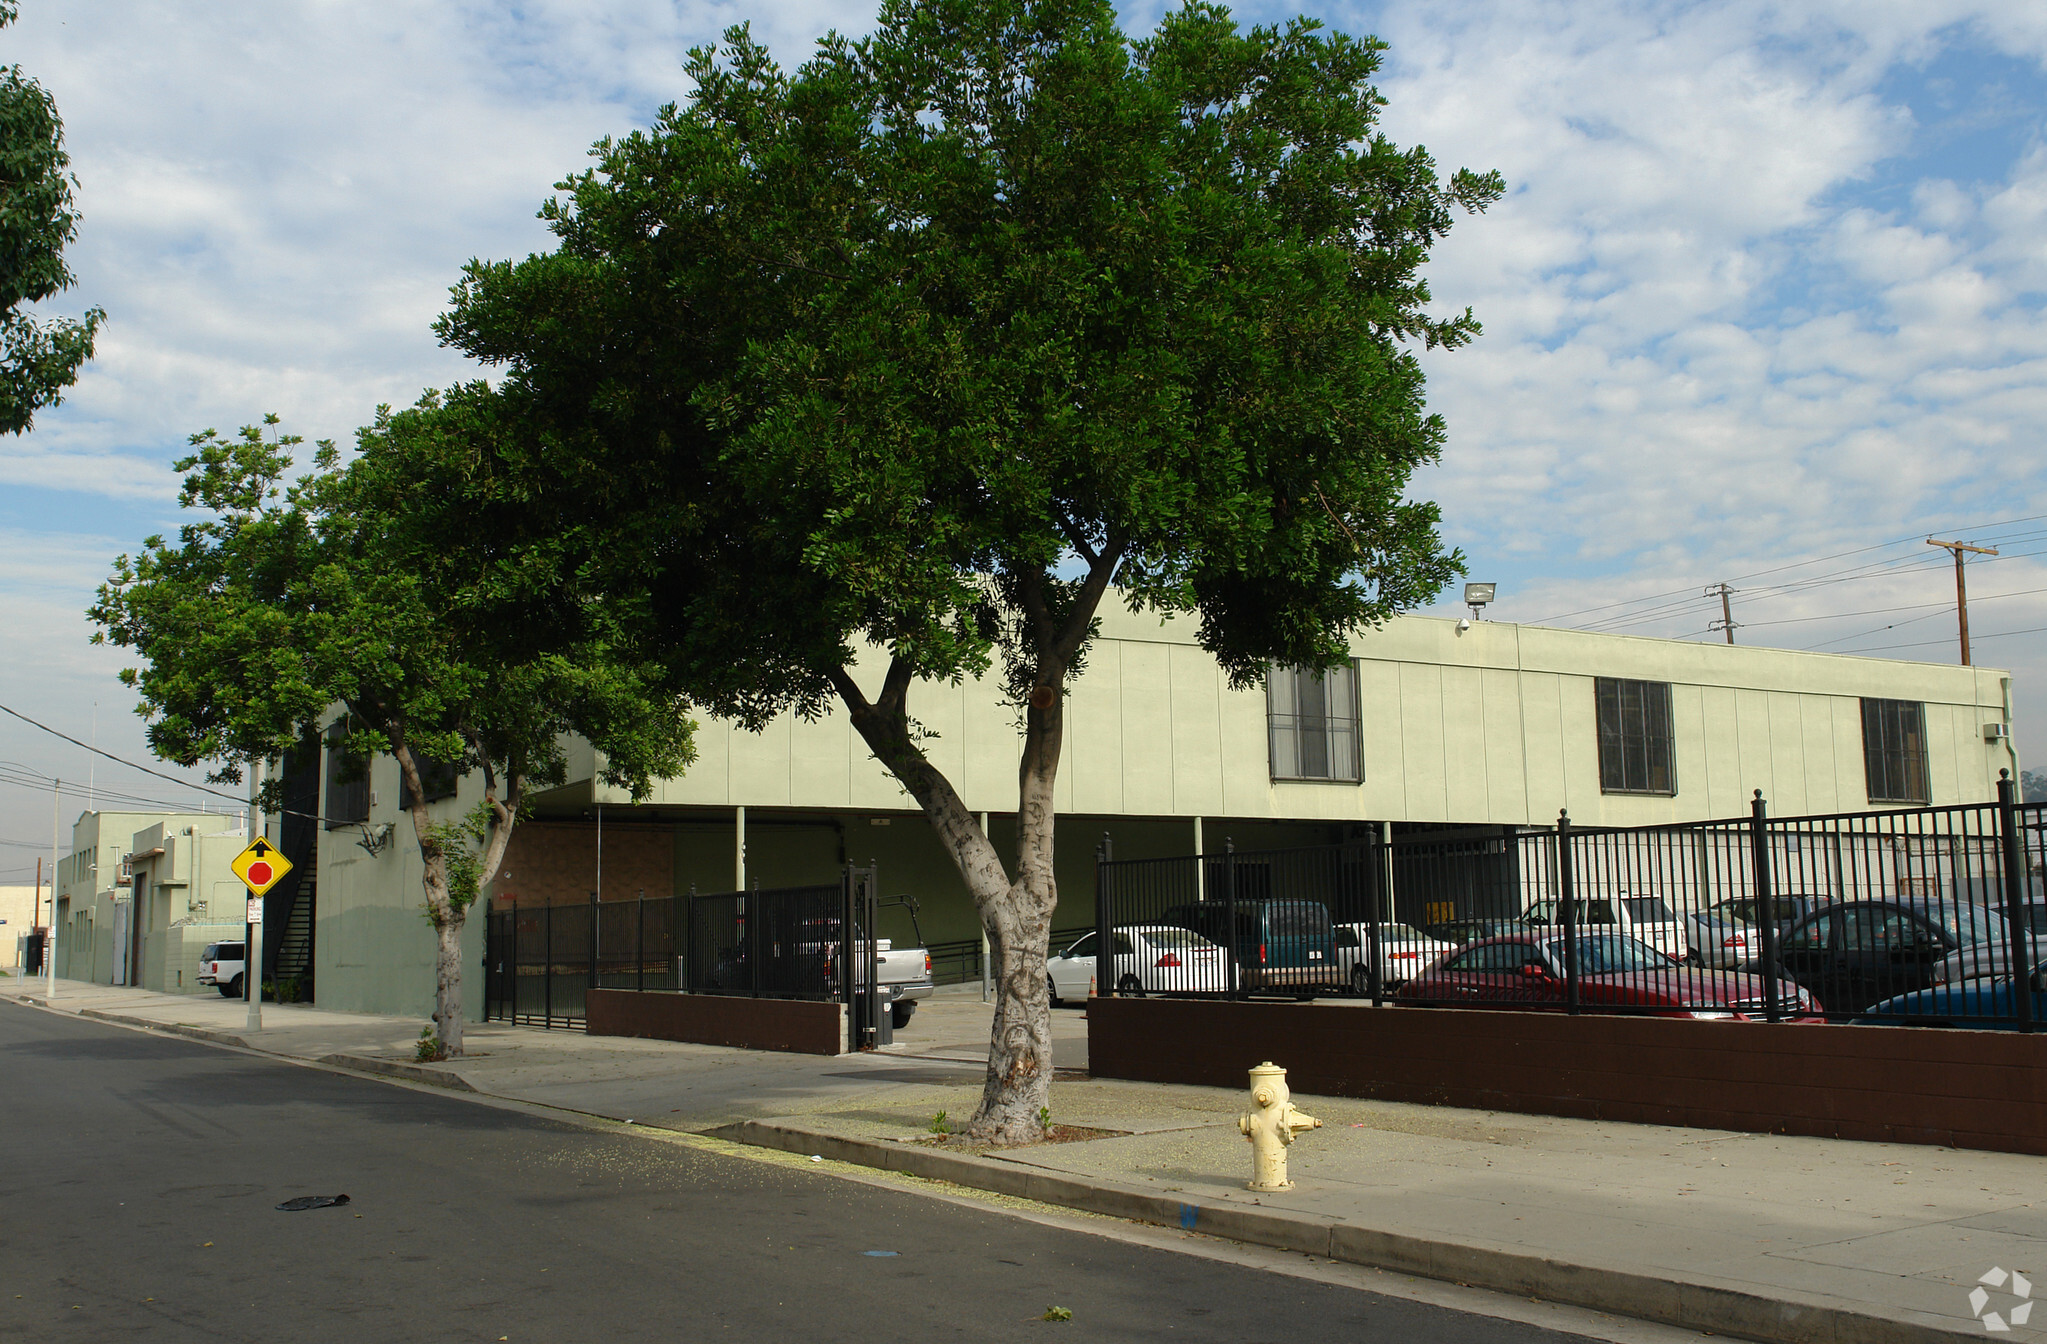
(1432, 726)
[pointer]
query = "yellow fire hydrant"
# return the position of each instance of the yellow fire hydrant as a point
(1271, 1127)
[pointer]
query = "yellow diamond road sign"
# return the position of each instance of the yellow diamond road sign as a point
(260, 866)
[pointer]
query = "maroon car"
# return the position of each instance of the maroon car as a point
(1614, 972)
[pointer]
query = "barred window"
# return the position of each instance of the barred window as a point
(438, 778)
(1894, 751)
(1312, 723)
(348, 781)
(1635, 754)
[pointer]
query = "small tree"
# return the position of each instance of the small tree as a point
(38, 360)
(928, 345)
(378, 586)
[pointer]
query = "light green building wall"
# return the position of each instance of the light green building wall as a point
(1492, 725)
(94, 889)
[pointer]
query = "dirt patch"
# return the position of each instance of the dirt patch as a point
(960, 1143)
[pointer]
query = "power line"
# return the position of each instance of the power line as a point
(2002, 634)
(119, 761)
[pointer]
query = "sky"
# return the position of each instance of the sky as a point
(1763, 304)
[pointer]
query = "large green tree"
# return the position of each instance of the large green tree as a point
(934, 344)
(38, 359)
(379, 586)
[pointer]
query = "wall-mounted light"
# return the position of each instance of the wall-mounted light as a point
(1478, 596)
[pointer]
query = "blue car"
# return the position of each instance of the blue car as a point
(1970, 1003)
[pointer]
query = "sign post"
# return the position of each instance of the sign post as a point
(260, 867)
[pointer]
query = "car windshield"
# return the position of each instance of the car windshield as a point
(1646, 909)
(1969, 923)
(1178, 938)
(1085, 947)
(1603, 954)
(1402, 933)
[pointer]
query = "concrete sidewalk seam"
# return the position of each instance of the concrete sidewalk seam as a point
(1676, 1302)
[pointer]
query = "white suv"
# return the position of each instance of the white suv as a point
(221, 964)
(1636, 914)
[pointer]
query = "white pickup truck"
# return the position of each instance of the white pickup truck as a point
(1637, 915)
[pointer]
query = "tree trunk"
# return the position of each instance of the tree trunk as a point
(442, 911)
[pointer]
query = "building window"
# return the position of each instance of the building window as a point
(348, 781)
(439, 781)
(1894, 751)
(1635, 754)
(1312, 723)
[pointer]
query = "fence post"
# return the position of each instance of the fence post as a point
(1766, 906)
(1567, 909)
(2019, 960)
(1234, 957)
(512, 960)
(591, 983)
(640, 946)
(846, 959)
(1377, 861)
(547, 980)
(1105, 919)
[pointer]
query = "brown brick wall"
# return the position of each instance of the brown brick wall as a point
(552, 864)
(793, 1025)
(1964, 1089)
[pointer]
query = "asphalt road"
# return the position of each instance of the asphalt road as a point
(139, 1178)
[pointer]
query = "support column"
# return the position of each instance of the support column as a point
(984, 928)
(1200, 868)
(739, 849)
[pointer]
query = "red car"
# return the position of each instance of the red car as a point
(1614, 972)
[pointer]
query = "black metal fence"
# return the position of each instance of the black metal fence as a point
(786, 942)
(1803, 918)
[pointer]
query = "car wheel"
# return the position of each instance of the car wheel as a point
(1360, 983)
(226, 992)
(1692, 958)
(1052, 991)
(234, 988)
(901, 1011)
(1131, 986)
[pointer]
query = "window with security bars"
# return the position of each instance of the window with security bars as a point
(1635, 752)
(1894, 751)
(348, 781)
(1312, 722)
(437, 779)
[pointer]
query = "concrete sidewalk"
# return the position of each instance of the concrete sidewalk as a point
(1760, 1236)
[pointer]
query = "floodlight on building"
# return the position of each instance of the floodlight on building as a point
(1477, 596)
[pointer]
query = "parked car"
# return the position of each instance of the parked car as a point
(1282, 946)
(1858, 953)
(1404, 952)
(1990, 959)
(1462, 931)
(1614, 972)
(1150, 959)
(1637, 915)
(1727, 934)
(1980, 1003)
(221, 965)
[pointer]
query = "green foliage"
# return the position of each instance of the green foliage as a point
(1056, 1314)
(1045, 1118)
(939, 1124)
(896, 347)
(38, 359)
(428, 1048)
(2032, 786)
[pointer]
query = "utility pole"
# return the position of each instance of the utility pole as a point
(1726, 621)
(50, 939)
(1956, 548)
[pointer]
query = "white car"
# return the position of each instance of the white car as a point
(1638, 915)
(1404, 953)
(1150, 959)
(221, 964)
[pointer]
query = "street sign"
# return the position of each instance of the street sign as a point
(260, 866)
(255, 914)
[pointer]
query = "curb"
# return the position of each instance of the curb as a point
(174, 1028)
(1690, 1306)
(391, 1068)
